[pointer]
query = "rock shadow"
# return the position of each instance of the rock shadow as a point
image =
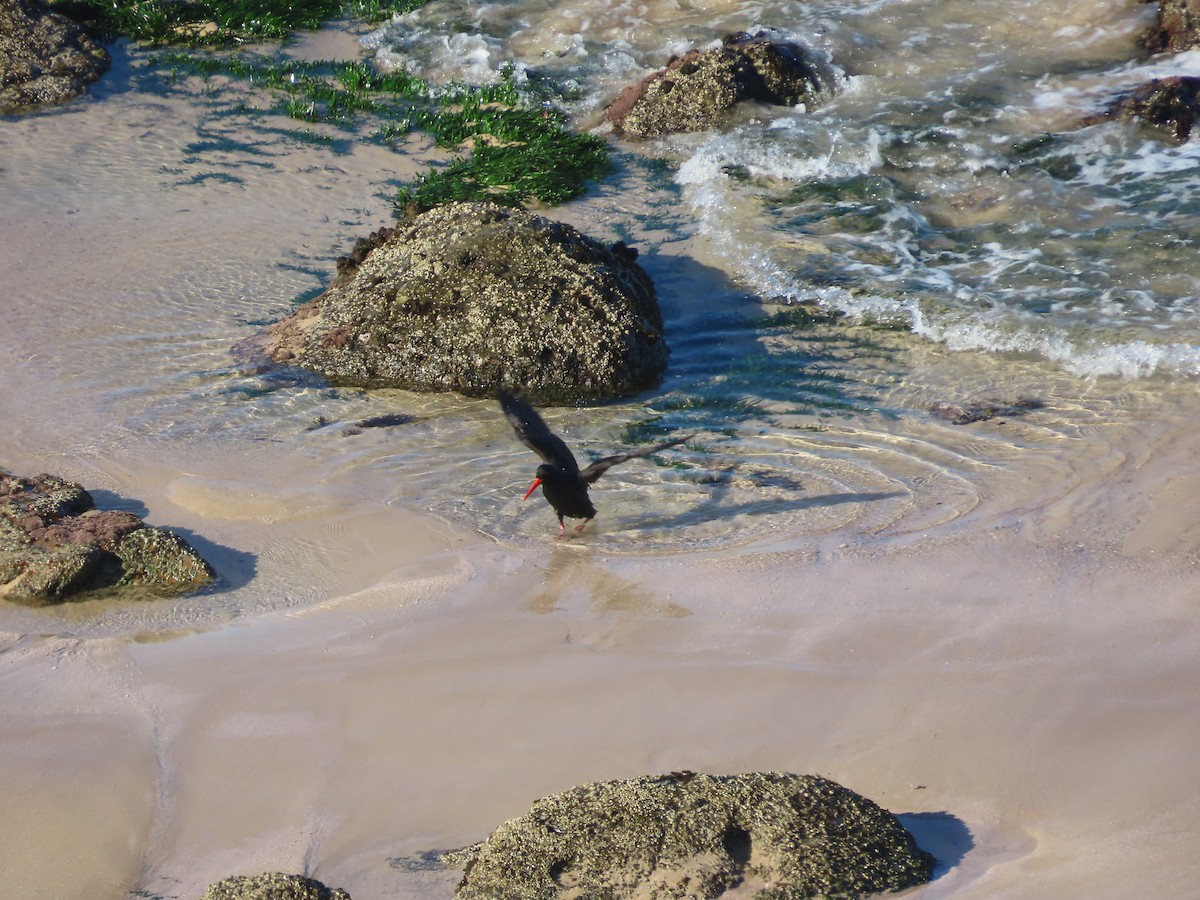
(943, 835)
(235, 568)
(735, 355)
(112, 500)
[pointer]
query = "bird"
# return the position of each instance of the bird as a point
(563, 483)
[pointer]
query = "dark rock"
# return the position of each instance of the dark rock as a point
(56, 546)
(1177, 28)
(272, 886)
(1171, 103)
(965, 414)
(470, 297)
(696, 91)
(385, 421)
(45, 57)
(686, 835)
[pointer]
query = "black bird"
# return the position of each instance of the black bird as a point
(564, 484)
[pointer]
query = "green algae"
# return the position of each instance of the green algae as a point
(224, 22)
(551, 167)
(517, 149)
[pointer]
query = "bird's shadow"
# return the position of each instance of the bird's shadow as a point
(715, 508)
(942, 835)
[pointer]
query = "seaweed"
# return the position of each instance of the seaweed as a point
(550, 166)
(225, 22)
(517, 148)
(518, 151)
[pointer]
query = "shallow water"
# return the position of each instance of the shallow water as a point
(976, 623)
(947, 186)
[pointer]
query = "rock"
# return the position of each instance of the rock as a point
(45, 57)
(685, 835)
(1171, 103)
(1177, 28)
(696, 91)
(272, 886)
(470, 297)
(968, 413)
(56, 546)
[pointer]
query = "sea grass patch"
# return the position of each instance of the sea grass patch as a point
(509, 148)
(224, 22)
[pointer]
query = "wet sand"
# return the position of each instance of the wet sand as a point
(1019, 680)
(1028, 709)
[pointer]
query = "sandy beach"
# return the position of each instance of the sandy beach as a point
(1027, 707)
(1011, 665)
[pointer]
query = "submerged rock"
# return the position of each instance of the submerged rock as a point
(272, 886)
(55, 546)
(45, 57)
(968, 413)
(470, 297)
(1177, 27)
(696, 91)
(1171, 103)
(685, 835)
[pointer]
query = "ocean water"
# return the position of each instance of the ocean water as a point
(982, 247)
(1016, 293)
(947, 187)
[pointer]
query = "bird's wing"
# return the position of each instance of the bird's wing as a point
(600, 466)
(535, 434)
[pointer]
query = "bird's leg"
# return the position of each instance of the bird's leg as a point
(562, 526)
(583, 526)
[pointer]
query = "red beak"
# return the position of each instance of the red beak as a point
(533, 487)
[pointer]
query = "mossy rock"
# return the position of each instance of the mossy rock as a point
(473, 297)
(45, 58)
(1176, 28)
(56, 546)
(161, 558)
(686, 835)
(1171, 104)
(272, 886)
(698, 90)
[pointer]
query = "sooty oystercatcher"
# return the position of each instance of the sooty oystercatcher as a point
(564, 484)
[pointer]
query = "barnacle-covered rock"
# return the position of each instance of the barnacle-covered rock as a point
(472, 297)
(696, 91)
(686, 835)
(1176, 28)
(56, 546)
(45, 58)
(1171, 103)
(272, 886)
